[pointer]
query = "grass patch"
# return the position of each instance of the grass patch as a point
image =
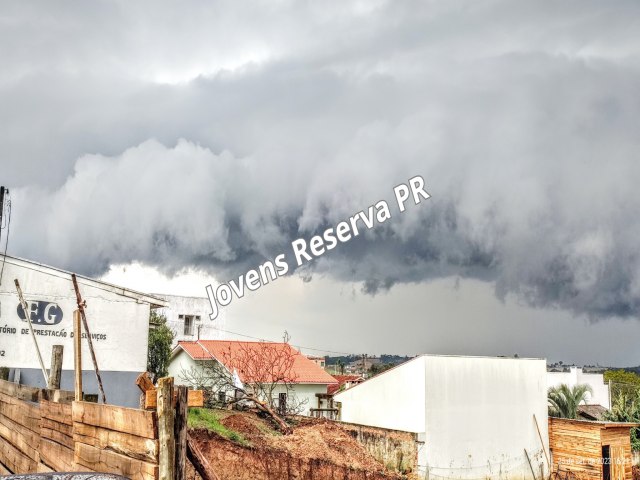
(208, 419)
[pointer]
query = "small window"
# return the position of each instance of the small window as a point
(222, 396)
(197, 318)
(180, 317)
(188, 325)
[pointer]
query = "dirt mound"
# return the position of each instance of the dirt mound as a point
(325, 441)
(241, 424)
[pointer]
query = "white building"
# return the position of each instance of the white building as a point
(255, 359)
(188, 317)
(575, 376)
(475, 415)
(118, 320)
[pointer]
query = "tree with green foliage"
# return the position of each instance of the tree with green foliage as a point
(160, 340)
(625, 407)
(564, 400)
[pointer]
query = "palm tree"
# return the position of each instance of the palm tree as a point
(564, 400)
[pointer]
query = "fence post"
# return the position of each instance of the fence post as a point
(180, 430)
(166, 438)
(55, 373)
(77, 354)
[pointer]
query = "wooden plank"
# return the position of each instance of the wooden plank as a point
(22, 392)
(132, 446)
(166, 439)
(121, 419)
(58, 412)
(55, 373)
(195, 398)
(4, 470)
(87, 456)
(144, 382)
(57, 437)
(42, 468)
(57, 456)
(15, 460)
(21, 412)
(30, 436)
(46, 424)
(57, 396)
(19, 441)
(180, 433)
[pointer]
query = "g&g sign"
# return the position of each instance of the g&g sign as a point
(41, 312)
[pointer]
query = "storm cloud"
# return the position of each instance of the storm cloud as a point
(213, 137)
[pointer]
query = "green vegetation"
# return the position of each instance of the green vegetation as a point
(564, 401)
(160, 339)
(208, 419)
(622, 381)
(625, 407)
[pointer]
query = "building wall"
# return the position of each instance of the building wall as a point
(575, 376)
(394, 399)
(119, 326)
(480, 416)
(119, 387)
(474, 414)
(194, 306)
(179, 362)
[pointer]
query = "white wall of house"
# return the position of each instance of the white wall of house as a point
(305, 393)
(575, 376)
(479, 416)
(475, 414)
(198, 310)
(394, 399)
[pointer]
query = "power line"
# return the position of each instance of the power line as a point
(6, 242)
(273, 341)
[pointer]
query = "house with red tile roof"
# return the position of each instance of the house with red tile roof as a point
(295, 378)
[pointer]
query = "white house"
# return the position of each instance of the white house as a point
(575, 376)
(188, 317)
(256, 362)
(476, 415)
(118, 320)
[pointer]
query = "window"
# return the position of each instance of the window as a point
(188, 324)
(222, 397)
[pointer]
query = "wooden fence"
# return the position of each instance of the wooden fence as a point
(38, 435)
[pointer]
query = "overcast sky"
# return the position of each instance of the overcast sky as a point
(169, 146)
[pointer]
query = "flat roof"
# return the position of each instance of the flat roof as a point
(58, 272)
(601, 423)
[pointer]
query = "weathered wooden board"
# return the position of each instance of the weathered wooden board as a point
(30, 436)
(58, 396)
(18, 440)
(56, 456)
(46, 424)
(21, 392)
(15, 460)
(4, 470)
(58, 412)
(22, 412)
(128, 420)
(112, 462)
(56, 436)
(132, 446)
(42, 468)
(195, 398)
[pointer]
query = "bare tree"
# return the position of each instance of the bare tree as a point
(254, 373)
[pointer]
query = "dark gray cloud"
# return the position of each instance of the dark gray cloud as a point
(212, 136)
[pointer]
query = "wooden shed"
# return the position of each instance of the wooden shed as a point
(594, 450)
